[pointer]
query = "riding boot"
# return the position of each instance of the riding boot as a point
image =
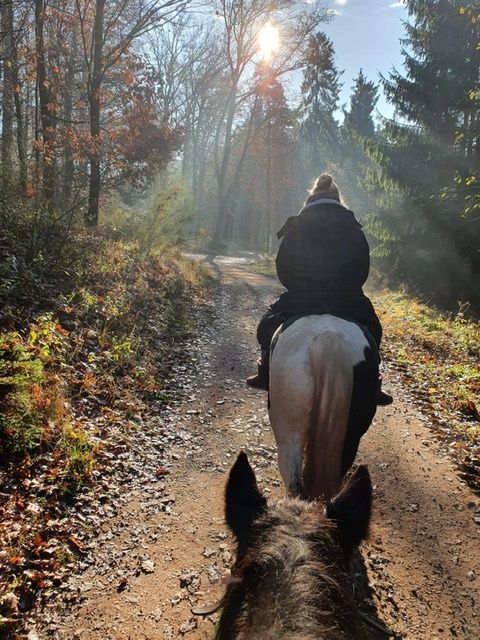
(260, 379)
(383, 399)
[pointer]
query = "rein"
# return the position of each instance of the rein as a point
(207, 609)
(214, 607)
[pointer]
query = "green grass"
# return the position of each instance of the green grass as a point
(264, 267)
(125, 316)
(439, 355)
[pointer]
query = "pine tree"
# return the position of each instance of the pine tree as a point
(320, 90)
(357, 129)
(359, 120)
(437, 140)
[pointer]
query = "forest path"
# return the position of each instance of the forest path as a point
(168, 543)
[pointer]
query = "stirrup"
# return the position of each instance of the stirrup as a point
(257, 382)
(384, 399)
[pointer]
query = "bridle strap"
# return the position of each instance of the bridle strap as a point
(207, 609)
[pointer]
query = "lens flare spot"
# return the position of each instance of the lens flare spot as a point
(268, 40)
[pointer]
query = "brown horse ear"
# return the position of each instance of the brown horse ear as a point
(351, 508)
(243, 501)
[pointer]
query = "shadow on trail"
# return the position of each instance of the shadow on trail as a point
(419, 508)
(422, 501)
(363, 595)
(420, 547)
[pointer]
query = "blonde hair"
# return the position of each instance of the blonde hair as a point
(324, 183)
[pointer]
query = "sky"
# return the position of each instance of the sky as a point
(366, 34)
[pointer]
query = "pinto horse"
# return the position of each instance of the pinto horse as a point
(322, 399)
(289, 580)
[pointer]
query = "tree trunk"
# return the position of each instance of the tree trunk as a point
(201, 151)
(222, 171)
(268, 225)
(94, 102)
(219, 230)
(202, 139)
(21, 137)
(7, 94)
(22, 132)
(46, 100)
(28, 123)
(36, 127)
(69, 166)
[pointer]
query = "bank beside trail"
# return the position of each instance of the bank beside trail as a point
(87, 352)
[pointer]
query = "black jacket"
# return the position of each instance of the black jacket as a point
(323, 250)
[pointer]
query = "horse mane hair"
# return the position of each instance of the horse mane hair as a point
(290, 582)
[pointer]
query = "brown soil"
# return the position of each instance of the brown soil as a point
(158, 557)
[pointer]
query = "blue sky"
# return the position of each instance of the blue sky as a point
(366, 33)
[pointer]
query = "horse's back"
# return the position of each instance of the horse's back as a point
(313, 380)
(294, 340)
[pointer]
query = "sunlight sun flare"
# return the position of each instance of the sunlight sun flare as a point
(268, 41)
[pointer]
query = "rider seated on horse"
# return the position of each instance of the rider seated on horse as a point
(323, 262)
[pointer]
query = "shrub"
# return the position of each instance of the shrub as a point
(31, 398)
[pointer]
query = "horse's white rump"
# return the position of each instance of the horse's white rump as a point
(311, 381)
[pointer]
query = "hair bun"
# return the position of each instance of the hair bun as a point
(324, 182)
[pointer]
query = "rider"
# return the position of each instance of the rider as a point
(323, 262)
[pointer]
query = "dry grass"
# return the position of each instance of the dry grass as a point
(108, 337)
(439, 357)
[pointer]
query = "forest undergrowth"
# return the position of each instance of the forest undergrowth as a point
(87, 341)
(437, 355)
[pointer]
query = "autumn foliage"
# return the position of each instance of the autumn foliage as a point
(78, 113)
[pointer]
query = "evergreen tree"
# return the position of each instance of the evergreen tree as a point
(320, 90)
(357, 129)
(358, 120)
(423, 233)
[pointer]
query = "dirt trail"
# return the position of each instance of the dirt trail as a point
(167, 546)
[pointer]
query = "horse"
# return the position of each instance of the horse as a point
(322, 398)
(290, 578)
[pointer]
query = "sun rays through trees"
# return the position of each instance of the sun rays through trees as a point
(242, 102)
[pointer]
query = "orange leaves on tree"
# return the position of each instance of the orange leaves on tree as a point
(30, 190)
(128, 77)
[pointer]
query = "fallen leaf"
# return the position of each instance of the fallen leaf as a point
(148, 566)
(79, 546)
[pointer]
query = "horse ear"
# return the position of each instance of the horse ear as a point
(243, 501)
(351, 508)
